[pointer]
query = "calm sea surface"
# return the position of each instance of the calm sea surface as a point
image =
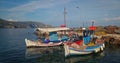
(13, 50)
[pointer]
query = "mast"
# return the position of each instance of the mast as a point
(65, 16)
(92, 23)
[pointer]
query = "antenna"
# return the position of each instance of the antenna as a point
(64, 16)
(83, 24)
(92, 23)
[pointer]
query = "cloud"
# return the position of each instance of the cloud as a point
(107, 4)
(12, 20)
(37, 4)
(112, 19)
(21, 11)
(30, 6)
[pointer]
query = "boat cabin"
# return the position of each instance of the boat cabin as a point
(52, 34)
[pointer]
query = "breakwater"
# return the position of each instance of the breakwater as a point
(112, 39)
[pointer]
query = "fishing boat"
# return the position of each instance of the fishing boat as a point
(83, 47)
(47, 37)
(87, 45)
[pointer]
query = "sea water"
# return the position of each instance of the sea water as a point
(13, 50)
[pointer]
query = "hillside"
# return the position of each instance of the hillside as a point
(26, 24)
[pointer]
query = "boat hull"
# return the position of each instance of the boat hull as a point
(72, 51)
(30, 43)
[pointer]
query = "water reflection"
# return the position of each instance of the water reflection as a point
(45, 55)
(85, 58)
(56, 55)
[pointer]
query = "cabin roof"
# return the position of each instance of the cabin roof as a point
(51, 29)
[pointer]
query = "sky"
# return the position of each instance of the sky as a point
(78, 12)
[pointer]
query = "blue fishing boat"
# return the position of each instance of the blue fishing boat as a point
(48, 37)
(89, 45)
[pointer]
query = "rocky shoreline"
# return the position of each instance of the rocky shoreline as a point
(112, 39)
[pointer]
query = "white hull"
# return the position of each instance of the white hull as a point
(69, 51)
(30, 43)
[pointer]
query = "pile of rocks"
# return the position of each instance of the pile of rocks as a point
(111, 40)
